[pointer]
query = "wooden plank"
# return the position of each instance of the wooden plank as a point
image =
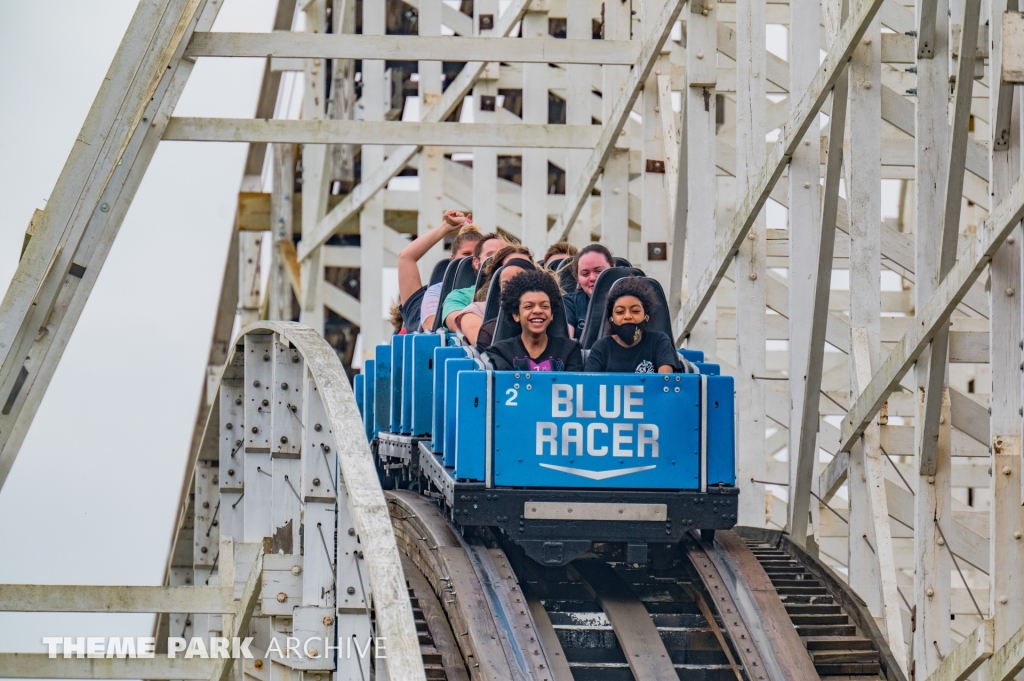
(535, 161)
(750, 263)
(862, 161)
(698, 215)
(535, 136)
(558, 666)
(775, 622)
(804, 209)
(954, 183)
(412, 48)
(1007, 661)
(884, 567)
(656, 36)
(806, 455)
(61, 263)
(373, 182)
(637, 636)
(159, 668)
(969, 655)
(89, 598)
(437, 623)
(1012, 54)
(793, 134)
(240, 620)
(972, 261)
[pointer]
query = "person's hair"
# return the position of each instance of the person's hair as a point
(525, 282)
(494, 263)
(468, 233)
(596, 248)
(484, 238)
(560, 248)
(396, 317)
(631, 286)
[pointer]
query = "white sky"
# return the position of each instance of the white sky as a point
(93, 494)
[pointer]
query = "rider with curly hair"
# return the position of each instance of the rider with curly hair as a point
(529, 300)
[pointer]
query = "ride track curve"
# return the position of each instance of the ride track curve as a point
(458, 602)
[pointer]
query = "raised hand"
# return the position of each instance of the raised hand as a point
(454, 219)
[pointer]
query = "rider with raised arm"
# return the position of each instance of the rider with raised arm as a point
(415, 299)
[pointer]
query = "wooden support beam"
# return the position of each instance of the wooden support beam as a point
(62, 261)
(382, 132)
(1007, 661)
(373, 182)
(412, 48)
(239, 623)
(792, 135)
(804, 209)
(938, 352)
(806, 455)
(750, 264)
(878, 507)
(971, 262)
(656, 36)
(968, 656)
(159, 668)
(639, 638)
(88, 598)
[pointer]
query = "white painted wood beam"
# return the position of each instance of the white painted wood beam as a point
(792, 135)
(959, 133)
(970, 654)
(1007, 661)
(140, 599)
(971, 262)
(804, 209)
(1006, 514)
(61, 263)
(932, 503)
(750, 264)
(532, 136)
(377, 180)
(412, 48)
(806, 455)
(655, 39)
(700, 102)
(158, 668)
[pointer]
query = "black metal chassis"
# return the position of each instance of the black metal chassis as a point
(472, 504)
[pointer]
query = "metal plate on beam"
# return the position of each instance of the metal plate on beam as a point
(547, 510)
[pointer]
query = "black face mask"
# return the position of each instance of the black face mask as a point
(629, 333)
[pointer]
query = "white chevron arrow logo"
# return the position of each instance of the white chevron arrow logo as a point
(597, 475)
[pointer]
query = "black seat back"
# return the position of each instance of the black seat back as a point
(465, 276)
(437, 276)
(622, 262)
(566, 278)
(660, 317)
(595, 324)
(480, 274)
(556, 264)
(493, 306)
(447, 285)
(507, 328)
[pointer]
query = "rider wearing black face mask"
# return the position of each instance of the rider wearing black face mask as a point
(629, 346)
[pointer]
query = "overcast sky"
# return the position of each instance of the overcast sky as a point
(93, 494)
